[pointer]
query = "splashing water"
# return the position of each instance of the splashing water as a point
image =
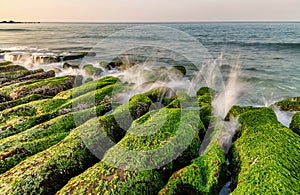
(227, 133)
(221, 130)
(285, 117)
(234, 87)
(148, 76)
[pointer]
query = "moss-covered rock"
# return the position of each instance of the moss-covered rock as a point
(87, 87)
(91, 70)
(27, 99)
(18, 147)
(126, 167)
(8, 78)
(33, 108)
(292, 104)
(67, 65)
(14, 74)
(183, 100)
(295, 124)
(11, 68)
(5, 90)
(24, 116)
(20, 124)
(72, 57)
(180, 68)
(89, 79)
(37, 75)
(104, 179)
(204, 96)
(235, 111)
(202, 176)
(23, 75)
(49, 170)
(50, 86)
(265, 158)
(94, 98)
(116, 64)
(162, 95)
(5, 63)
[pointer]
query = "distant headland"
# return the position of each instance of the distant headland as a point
(14, 22)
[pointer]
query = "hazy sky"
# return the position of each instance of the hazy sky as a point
(149, 10)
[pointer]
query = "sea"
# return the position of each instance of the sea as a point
(267, 54)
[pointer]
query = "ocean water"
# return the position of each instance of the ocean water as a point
(268, 54)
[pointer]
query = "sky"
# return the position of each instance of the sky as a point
(149, 10)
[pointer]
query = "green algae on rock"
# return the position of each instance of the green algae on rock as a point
(27, 99)
(5, 63)
(67, 65)
(204, 96)
(34, 108)
(265, 158)
(36, 112)
(91, 70)
(202, 176)
(11, 68)
(53, 167)
(121, 172)
(87, 87)
(18, 147)
(49, 86)
(166, 136)
(235, 111)
(48, 171)
(105, 179)
(292, 104)
(295, 124)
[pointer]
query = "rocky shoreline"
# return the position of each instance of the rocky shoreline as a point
(49, 127)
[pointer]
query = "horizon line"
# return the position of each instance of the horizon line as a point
(212, 21)
(192, 21)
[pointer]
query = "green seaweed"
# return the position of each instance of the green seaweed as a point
(292, 104)
(235, 111)
(204, 96)
(49, 86)
(14, 74)
(5, 63)
(265, 158)
(202, 176)
(87, 87)
(91, 70)
(18, 147)
(105, 179)
(11, 68)
(34, 108)
(126, 177)
(53, 167)
(48, 171)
